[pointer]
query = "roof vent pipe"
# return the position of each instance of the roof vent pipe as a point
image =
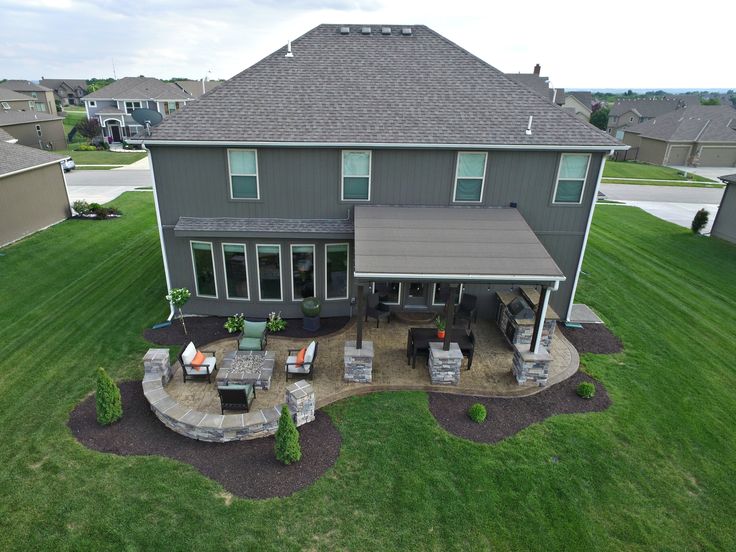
(529, 126)
(289, 53)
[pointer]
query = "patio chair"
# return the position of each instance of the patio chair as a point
(253, 337)
(236, 397)
(200, 371)
(304, 369)
(467, 310)
(376, 309)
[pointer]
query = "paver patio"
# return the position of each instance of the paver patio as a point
(490, 376)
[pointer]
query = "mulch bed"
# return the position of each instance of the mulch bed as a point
(592, 338)
(245, 468)
(506, 417)
(206, 329)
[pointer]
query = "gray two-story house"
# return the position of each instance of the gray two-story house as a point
(113, 104)
(387, 157)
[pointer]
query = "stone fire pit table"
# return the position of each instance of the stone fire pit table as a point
(242, 367)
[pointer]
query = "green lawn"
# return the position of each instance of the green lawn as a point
(663, 183)
(631, 169)
(654, 472)
(71, 118)
(102, 157)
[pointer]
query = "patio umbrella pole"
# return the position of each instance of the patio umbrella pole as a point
(449, 315)
(361, 317)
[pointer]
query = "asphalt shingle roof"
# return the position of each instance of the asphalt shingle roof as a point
(584, 97)
(139, 88)
(376, 88)
(23, 86)
(260, 225)
(195, 87)
(704, 123)
(7, 95)
(5, 137)
(15, 117)
(55, 83)
(648, 107)
(14, 157)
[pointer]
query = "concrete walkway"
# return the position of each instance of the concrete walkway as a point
(708, 172)
(140, 165)
(105, 186)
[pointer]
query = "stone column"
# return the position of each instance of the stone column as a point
(444, 366)
(300, 400)
(358, 362)
(530, 366)
(156, 361)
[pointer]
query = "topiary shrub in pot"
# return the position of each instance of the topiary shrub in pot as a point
(109, 403)
(586, 390)
(477, 413)
(311, 307)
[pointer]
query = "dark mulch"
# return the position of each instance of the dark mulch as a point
(592, 338)
(506, 417)
(245, 468)
(206, 329)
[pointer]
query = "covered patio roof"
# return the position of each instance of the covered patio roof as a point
(454, 244)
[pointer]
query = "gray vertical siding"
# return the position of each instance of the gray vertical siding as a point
(724, 226)
(305, 183)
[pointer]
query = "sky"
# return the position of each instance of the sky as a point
(648, 44)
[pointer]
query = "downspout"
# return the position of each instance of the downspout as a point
(160, 229)
(585, 236)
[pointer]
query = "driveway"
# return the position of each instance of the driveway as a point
(708, 172)
(104, 186)
(675, 204)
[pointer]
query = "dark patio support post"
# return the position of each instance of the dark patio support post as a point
(449, 315)
(539, 319)
(361, 317)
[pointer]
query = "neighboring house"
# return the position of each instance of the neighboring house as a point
(43, 98)
(113, 104)
(67, 91)
(580, 103)
(700, 136)
(198, 88)
(724, 225)
(33, 193)
(33, 129)
(15, 101)
(627, 113)
(412, 171)
(5, 137)
(540, 85)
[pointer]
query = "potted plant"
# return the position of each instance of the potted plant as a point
(311, 308)
(440, 323)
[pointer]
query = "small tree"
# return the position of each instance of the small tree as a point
(89, 128)
(109, 403)
(287, 446)
(599, 118)
(699, 221)
(179, 297)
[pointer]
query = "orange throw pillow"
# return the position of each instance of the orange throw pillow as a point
(198, 360)
(300, 356)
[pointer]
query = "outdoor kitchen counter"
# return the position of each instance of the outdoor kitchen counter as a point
(506, 297)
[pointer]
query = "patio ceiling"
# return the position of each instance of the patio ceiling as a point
(455, 244)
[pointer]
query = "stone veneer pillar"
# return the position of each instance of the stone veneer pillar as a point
(444, 366)
(156, 361)
(529, 366)
(300, 400)
(359, 362)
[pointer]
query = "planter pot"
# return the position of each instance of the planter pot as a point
(440, 334)
(311, 323)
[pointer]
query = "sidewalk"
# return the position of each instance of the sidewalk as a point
(140, 165)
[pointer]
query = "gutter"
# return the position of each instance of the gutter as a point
(481, 278)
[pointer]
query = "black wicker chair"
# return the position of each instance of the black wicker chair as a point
(375, 309)
(467, 310)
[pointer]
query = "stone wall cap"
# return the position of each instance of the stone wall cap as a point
(526, 354)
(156, 354)
(151, 384)
(253, 418)
(210, 420)
(272, 414)
(193, 417)
(367, 346)
(232, 421)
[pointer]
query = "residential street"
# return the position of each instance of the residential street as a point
(104, 186)
(671, 203)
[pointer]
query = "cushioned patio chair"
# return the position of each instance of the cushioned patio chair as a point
(193, 371)
(253, 337)
(305, 368)
(236, 397)
(375, 309)
(467, 310)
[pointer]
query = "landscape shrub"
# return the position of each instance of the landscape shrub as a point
(275, 323)
(179, 297)
(287, 446)
(477, 413)
(699, 221)
(109, 403)
(586, 390)
(235, 323)
(81, 207)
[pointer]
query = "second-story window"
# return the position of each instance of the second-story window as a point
(243, 164)
(356, 175)
(132, 106)
(469, 177)
(93, 104)
(571, 178)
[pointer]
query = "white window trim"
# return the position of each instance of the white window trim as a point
(398, 302)
(125, 107)
(39, 132)
(194, 269)
(6, 105)
(247, 273)
(92, 103)
(557, 181)
(342, 174)
(482, 178)
(281, 274)
(230, 176)
(347, 270)
(291, 264)
(434, 294)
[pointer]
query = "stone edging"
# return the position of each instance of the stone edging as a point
(219, 428)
